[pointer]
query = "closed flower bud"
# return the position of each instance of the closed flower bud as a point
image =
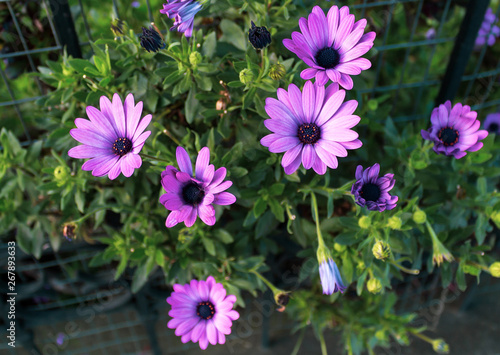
(381, 250)
(61, 174)
(282, 298)
(195, 58)
(277, 71)
(246, 76)
(365, 222)
(374, 285)
(339, 247)
(259, 37)
(151, 40)
(495, 269)
(419, 216)
(118, 27)
(395, 223)
(440, 346)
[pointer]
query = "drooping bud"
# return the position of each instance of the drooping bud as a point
(373, 285)
(365, 222)
(277, 71)
(246, 76)
(381, 250)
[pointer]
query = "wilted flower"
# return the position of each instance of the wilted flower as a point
(113, 137)
(492, 123)
(439, 251)
(373, 192)
(151, 40)
(259, 37)
(69, 231)
(184, 12)
(454, 131)
(187, 196)
(277, 71)
(488, 31)
(312, 126)
(202, 312)
(332, 46)
(381, 250)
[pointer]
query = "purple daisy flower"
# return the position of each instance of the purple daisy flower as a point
(183, 11)
(113, 137)
(332, 46)
(373, 192)
(492, 123)
(331, 281)
(187, 196)
(488, 32)
(312, 127)
(202, 312)
(454, 130)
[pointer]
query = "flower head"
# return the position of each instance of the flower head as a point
(113, 137)
(183, 11)
(201, 312)
(488, 32)
(151, 40)
(187, 196)
(431, 33)
(331, 281)
(312, 126)
(381, 250)
(372, 191)
(259, 37)
(492, 123)
(332, 46)
(277, 71)
(454, 131)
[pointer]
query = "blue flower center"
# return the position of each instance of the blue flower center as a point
(309, 133)
(370, 192)
(492, 128)
(448, 136)
(205, 310)
(122, 146)
(192, 194)
(327, 58)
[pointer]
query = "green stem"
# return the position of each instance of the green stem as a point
(421, 336)
(266, 281)
(321, 242)
(153, 158)
(402, 268)
(296, 348)
(323, 344)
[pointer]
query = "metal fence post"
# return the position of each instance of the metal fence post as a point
(464, 45)
(65, 27)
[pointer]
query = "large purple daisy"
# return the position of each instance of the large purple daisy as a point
(187, 196)
(372, 191)
(332, 46)
(112, 138)
(183, 11)
(331, 281)
(312, 127)
(454, 131)
(202, 312)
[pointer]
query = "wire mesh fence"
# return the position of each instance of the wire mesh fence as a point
(70, 307)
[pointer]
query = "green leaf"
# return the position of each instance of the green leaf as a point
(84, 67)
(203, 82)
(80, 200)
(276, 189)
(140, 277)
(209, 246)
(481, 185)
(460, 277)
(277, 209)
(259, 207)
(122, 265)
(233, 34)
(191, 106)
(37, 241)
(23, 238)
(224, 236)
(209, 45)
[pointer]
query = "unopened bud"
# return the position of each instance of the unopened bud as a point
(118, 27)
(246, 76)
(365, 222)
(195, 58)
(277, 71)
(61, 174)
(440, 346)
(282, 298)
(395, 223)
(419, 216)
(374, 286)
(495, 269)
(339, 247)
(381, 250)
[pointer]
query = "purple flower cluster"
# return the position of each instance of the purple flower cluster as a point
(489, 32)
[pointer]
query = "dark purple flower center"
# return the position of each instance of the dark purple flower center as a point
(192, 194)
(122, 146)
(205, 310)
(370, 192)
(448, 136)
(327, 58)
(259, 37)
(309, 133)
(492, 128)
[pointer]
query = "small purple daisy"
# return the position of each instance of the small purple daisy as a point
(373, 192)
(492, 123)
(488, 33)
(312, 127)
(332, 46)
(202, 312)
(187, 196)
(331, 281)
(113, 137)
(183, 11)
(454, 131)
